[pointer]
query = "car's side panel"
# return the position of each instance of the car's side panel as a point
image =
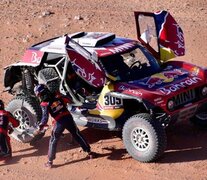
(108, 105)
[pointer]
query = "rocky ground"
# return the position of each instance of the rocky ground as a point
(25, 22)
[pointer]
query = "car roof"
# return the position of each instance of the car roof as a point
(102, 43)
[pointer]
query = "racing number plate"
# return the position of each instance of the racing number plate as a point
(112, 101)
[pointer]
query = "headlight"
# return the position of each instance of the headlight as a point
(204, 91)
(170, 104)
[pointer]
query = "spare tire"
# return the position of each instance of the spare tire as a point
(27, 110)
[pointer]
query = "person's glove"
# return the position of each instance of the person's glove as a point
(40, 129)
(37, 131)
(10, 130)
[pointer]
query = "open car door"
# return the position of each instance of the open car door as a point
(160, 34)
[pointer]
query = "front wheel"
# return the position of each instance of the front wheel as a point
(28, 112)
(144, 138)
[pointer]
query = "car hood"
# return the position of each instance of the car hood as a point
(170, 81)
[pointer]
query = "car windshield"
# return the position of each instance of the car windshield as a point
(135, 64)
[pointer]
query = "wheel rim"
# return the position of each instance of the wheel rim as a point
(202, 116)
(23, 118)
(139, 139)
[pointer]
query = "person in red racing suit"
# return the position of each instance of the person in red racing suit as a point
(6, 119)
(55, 105)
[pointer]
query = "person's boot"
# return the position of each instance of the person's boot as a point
(5, 156)
(49, 164)
(91, 155)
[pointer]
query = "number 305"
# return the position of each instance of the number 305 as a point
(111, 101)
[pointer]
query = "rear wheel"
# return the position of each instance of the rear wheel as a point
(28, 112)
(144, 138)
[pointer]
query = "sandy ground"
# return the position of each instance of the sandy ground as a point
(23, 23)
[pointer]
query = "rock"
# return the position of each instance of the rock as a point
(46, 13)
(78, 17)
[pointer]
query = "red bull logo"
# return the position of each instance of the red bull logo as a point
(164, 77)
(170, 36)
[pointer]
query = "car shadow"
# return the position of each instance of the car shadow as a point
(40, 147)
(186, 143)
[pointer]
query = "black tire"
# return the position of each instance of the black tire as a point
(28, 112)
(200, 119)
(48, 74)
(152, 140)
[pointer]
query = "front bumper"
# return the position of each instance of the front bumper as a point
(188, 111)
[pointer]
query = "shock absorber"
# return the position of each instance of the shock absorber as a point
(27, 81)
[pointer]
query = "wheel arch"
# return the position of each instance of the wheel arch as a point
(131, 101)
(18, 78)
(12, 75)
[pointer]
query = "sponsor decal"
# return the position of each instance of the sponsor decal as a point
(175, 87)
(180, 40)
(170, 34)
(35, 58)
(121, 48)
(133, 91)
(97, 120)
(56, 106)
(32, 56)
(163, 77)
(158, 100)
(81, 71)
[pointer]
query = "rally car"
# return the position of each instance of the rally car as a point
(116, 84)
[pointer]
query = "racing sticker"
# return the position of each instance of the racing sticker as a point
(112, 101)
(163, 77)
(126, 89)
(97, 120)
(33, 57)
(170, 35)
(56, 106)
(177, 86)
(88, 70)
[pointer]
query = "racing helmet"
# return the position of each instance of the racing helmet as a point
(1, 105)
(43, 93)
